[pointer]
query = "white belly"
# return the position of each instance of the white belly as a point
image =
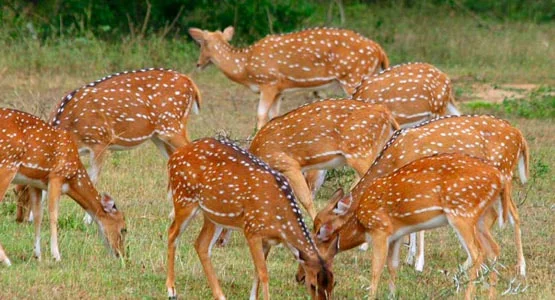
(430, 224)
(22, 179)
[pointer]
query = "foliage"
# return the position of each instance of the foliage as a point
(539, 105)
(110, 19)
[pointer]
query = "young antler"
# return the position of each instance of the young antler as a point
(485, 137)
(36, 154)
(430, 192)
(124, 110)
(234, 189)
(321, 135)
(414, 92)
(279, 63)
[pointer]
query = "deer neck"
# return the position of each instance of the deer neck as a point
(351, 235)
(85, 194)
(230, 60)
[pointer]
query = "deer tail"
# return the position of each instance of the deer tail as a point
(523, 161)
(197, 98)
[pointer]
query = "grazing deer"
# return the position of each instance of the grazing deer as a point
(236, 190)
(311, 58)
(414, 92)
(430, 192)
(485, 137)
(46, 158)
(324, 134)
(123, 110)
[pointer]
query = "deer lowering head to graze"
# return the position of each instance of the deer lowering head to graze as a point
(414, 92)
(485, 137)
(430, 192)
(276, 64)
(321, 135)
(124, 110)
(234, 189)
(45, 158)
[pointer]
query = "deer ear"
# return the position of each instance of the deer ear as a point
(228, 33)
(342, 206)
(197, 34)
(325, 232)
(108, 203)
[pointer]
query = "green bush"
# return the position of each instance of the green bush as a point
(539, 105)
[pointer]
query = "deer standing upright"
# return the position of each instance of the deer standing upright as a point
(46, 158)
(234, 189)
(324, 134)
(123, 110)
(485, 137)
(311, 58)
(414, 92)
(430, 192)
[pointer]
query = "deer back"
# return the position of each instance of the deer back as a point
(313, 133)
(412, 91)
(35, 148)
(127, 108)
(316, 54)
(236, 189)
(485, 137)
(307, 58)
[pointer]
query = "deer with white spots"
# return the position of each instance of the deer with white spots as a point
(312, 58)
(485, 137)
(414, 92)
(234, 189)
(45, 158)
(322, 135)
(430, 192)
(124, 110)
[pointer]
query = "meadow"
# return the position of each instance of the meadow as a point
(477, 54)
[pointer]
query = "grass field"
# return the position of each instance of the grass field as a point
(34, 77)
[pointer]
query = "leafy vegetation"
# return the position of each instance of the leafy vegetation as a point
(539, 105)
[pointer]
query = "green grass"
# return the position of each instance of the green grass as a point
(33, 77)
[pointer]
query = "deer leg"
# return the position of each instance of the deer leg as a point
(466, 231)
(514, 217)
(314, 180)
(298, 183)
(4, 258)
(419, 265)
(97, 158)
(492, 253)
(6, 177)
(274, 109)
(393, 264)
(173, 141)
(259, 253)
(379, 256)
(181, 220)
(23, 212)
(54, 192)
(268, 95)
(35, 196)
(203, 244)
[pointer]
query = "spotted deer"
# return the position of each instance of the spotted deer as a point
(45, 158)
(312, 58)
(485, 137)
(234, 189)
(123, 110)
(414, 92)
(430, 192)
(321, 135)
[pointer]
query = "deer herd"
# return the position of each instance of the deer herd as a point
(418, 163)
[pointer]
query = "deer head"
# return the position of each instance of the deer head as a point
(209, 43)
(112, 224)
